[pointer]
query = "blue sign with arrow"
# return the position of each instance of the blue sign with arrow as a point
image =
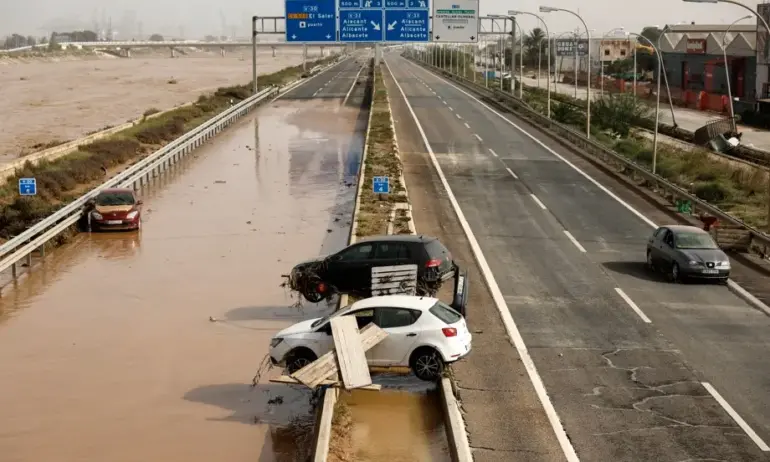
(27, 186)
(361, 26)
(381, 185)
(406, 26)
(309, 21)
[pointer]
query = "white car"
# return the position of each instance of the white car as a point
(424, 334)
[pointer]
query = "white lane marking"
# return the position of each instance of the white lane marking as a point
(512, 174)
(742, 423)
(736, 417)
(316, 92)
(478, 137)
(443, 101)
(575, 241)
(497, 295)
(633, 305)
(538, 201)
(450, 108)
(458, 116)
(466, 125)
(493, 153)
(352, 86)
(544, 146)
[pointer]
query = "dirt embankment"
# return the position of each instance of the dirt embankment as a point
(61, 97)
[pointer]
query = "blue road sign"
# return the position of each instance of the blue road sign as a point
(350, 3)
(27, 186)
(395, 3)
(421, 4)
(406, 25)
(371, 4)
(361, 26)
(380, 185)
(310, 21)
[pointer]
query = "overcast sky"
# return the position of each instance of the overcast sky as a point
(198, 17)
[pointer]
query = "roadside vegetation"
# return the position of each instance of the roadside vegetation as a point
(382, 159)
(735, 187)
(66, 178)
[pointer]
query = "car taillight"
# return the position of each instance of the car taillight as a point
(449, 331)
(433, 263)
(321, 287)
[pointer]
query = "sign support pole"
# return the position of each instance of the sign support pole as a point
(254, 53)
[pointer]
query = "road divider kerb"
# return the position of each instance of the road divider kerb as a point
(583, 148)
(35, 238)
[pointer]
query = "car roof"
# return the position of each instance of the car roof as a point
(399, 238)
(396, 301)
(117, 190)
(685, 229)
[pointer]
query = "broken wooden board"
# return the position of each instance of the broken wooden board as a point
(331, 383)
(322, 368)
(351, 358)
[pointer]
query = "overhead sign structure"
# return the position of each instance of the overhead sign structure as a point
(456, 21)
(309, 21)
(27, 186)
(566, 47)
(384, 20)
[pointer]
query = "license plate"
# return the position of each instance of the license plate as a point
(710, 271)
(114, 222)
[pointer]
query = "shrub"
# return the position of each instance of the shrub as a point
(713, 191)
(618, 113)
(150, 112)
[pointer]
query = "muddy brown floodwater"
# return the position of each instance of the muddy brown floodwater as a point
(108, 351)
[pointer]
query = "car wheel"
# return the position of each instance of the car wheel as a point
(312, 294)
(298, 359)
(674, 275)
(427, 364)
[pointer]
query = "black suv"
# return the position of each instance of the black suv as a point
(349, 271)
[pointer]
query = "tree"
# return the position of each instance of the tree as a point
(652, 34)
(534, 44)
(156, 38)
(15, 41)
(31, 41)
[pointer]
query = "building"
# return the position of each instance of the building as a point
(694, 58)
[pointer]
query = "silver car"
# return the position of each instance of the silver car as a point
(686, 251)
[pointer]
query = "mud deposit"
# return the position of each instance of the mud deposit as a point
(401, 423)
(46, 101)
(141, 347)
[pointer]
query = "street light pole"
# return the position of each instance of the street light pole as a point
(727, 68)
(254, 53)
(548, 40)
(601, 56)
(548, 9)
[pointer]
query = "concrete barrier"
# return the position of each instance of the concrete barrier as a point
(459, 447)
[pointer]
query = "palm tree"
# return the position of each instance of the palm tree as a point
(533, 45)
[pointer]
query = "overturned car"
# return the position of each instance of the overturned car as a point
(350, 271)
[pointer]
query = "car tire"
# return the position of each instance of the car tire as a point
(299, 358)
(674, 275)
(311, 293)
(426, 364)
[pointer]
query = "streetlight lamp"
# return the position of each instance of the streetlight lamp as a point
(549, 9)
(540, 46)
(601, 54)
(727, 68)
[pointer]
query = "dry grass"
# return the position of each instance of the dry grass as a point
(65, 178)
(341, 444)
(381, 160)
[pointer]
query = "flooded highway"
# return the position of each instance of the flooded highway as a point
(128, 347)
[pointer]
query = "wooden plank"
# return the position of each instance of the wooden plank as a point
(331, 383)
(319, 370)
(351, 358)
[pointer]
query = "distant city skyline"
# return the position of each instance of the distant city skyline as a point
(196, 18)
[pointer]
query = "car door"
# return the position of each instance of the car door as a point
(388, 254)
(348, 270)
(657, 245)
(667, 250)
(401, 326)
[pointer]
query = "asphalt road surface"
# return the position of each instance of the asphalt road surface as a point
(637, 369)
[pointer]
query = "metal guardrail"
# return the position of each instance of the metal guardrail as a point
(35, 237)
(758, 238)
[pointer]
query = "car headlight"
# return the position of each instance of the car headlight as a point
(132, 215)
(724, 264)
(96, 215)
(275, 342)
(694, 263)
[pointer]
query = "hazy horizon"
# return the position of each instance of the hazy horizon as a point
(195, 18)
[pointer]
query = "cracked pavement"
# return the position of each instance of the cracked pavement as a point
(624, 390)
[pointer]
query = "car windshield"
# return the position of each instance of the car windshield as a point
(326, 318)
(695, 241)
(115, 198)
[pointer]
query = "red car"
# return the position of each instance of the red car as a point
(116, 208)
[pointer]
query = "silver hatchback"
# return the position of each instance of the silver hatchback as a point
(686, 252)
